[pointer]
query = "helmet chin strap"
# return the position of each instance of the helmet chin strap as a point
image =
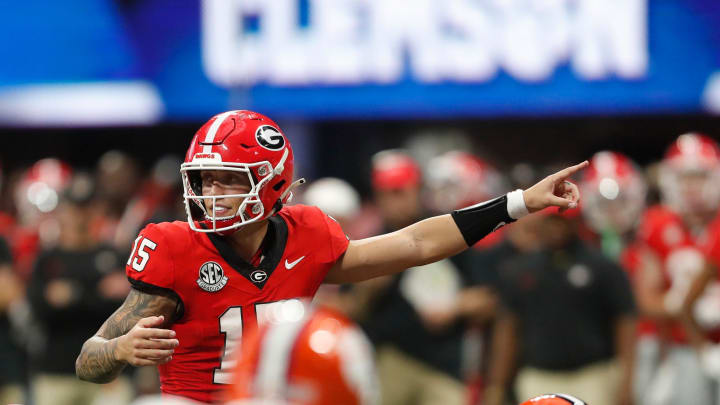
(287, 193)
(290, 188)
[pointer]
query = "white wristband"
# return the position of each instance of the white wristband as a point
(516, 204)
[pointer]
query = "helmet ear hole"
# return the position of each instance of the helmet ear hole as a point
(278, 185)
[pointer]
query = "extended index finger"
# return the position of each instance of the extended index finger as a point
(569, 171)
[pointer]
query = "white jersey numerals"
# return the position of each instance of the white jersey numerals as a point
(231, 325)
(139, 260)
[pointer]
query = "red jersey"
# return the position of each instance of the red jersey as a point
(681, 253)
(222, 294)
(630, 259)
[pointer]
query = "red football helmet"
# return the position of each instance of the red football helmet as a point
(554, 399)
(394, 169)
(458, 179)
(613, 191)
(322, 359)
(690, 173)
(239, 141)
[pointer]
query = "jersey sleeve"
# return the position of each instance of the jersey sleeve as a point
(661, 232)
(150, 265)
(337, 241)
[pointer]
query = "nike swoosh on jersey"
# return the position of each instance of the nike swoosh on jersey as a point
(290, 265)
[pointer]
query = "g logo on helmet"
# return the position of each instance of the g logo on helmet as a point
(258, 276)
(269, 137)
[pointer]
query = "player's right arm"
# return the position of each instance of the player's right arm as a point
(443, 236)
(135, 334)
(649, 286)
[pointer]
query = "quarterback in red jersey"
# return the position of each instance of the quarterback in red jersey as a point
(197, 285)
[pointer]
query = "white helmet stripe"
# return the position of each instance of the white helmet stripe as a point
(275, 356)
(210, 136)
(575, 401)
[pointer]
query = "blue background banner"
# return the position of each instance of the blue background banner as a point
(296, 59)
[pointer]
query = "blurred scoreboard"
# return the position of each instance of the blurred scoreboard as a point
(95, 62)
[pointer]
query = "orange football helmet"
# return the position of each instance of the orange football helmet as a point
(554, 399)
(322, 359)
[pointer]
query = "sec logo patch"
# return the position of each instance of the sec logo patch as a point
(212, 278)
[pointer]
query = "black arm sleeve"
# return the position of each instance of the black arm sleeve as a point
(477, 221)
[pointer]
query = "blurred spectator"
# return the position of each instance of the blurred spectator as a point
(457, 179)
(568, 320)
(453, 180)
(676, 234)
(156, 200)
(7, 221)
(73, 288)
(37, 195)
(614, 194)
(521, 237)
(334, 197)
(420, 319)
(341, 201)
(12, 358)
(117, 177)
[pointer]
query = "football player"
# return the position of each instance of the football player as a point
(305, 356)
(457, 179)
(614, 192)
(198, 285)
(676, 234)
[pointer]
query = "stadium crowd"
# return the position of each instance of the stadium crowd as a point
(616, 302)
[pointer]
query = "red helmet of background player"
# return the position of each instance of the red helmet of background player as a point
(40, 188)
(245, 142)
(554, 399)
(394, 169)
(689, 174)
(613, 191)
(320, 359)
(458, 179)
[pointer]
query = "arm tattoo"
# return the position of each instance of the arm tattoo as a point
(97, 362)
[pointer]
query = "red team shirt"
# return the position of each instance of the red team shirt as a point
(222, 294)
(679, 251)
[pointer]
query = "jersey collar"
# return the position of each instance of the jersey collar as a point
(272, 247)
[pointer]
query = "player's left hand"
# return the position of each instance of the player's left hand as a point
(554, 190)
